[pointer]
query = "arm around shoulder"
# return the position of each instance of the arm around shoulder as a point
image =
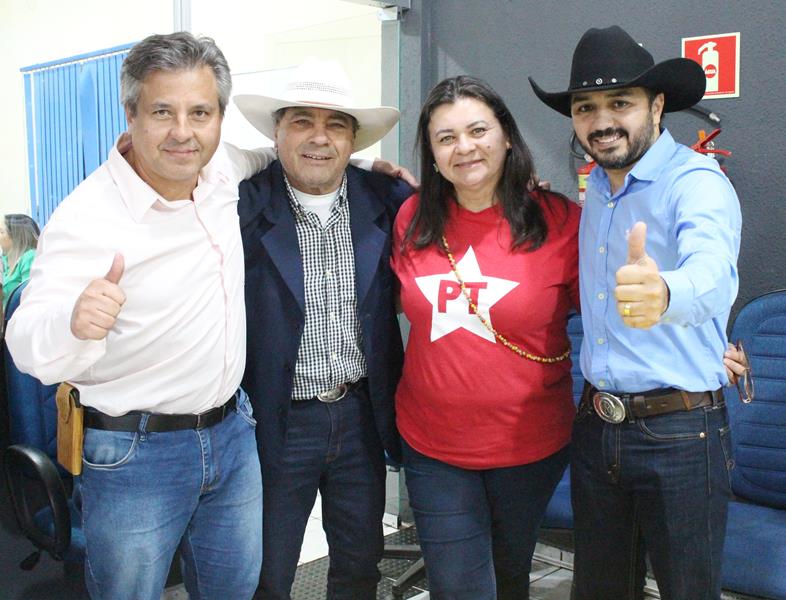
(248, 163)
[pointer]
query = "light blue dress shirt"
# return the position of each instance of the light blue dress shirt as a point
(693, 234)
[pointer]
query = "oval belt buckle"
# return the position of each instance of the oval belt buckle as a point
(608, 407)
(334, 395)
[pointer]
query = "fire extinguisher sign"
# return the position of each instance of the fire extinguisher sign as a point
(719, 56)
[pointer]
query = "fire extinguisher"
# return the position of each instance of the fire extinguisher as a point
(582, 173)
(706, 145)
(584, 169)
(710, 62)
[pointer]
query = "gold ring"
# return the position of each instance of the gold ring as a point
(626, 310)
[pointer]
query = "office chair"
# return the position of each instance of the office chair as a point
(38, 488)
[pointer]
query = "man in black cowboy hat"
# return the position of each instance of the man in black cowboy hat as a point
(659, 240)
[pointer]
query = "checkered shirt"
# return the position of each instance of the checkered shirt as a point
(331, 347)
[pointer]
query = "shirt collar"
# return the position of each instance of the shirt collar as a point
(648, 167)
(655, 159)
(297, 207)
(139, 197)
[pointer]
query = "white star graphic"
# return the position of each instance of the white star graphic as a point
(450, 309)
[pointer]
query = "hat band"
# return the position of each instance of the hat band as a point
(318, 86)
(319, 89)
(320, 102)
(598, 81)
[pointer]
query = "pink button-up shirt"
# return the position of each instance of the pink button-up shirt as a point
(179, 343)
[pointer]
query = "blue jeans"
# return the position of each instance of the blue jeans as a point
(478, 528)
(659, 484)
(144, 494)
(333, 448)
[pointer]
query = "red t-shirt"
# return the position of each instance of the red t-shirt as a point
(464, 398)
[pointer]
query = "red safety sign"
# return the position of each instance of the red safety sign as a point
(719, 56)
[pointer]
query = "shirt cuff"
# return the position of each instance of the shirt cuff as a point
(73, 356)
(85, 351)
(367, 164)
(680, 298)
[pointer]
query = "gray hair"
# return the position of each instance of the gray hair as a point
(172, 52)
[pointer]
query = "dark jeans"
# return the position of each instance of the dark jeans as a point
(333, 448)
(478, 528)
(661, 484)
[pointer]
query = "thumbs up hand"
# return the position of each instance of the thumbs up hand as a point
(642, 295)
(97, 307)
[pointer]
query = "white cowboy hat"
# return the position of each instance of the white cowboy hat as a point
(319, 84)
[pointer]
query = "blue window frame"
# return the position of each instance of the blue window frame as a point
(73, 119)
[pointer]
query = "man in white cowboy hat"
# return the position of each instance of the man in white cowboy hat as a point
(659, 239)
(324, 348)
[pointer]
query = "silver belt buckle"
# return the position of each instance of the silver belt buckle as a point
(334, 395)
(609, 407)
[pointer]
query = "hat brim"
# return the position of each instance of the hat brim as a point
(373, 123)
(681, 80)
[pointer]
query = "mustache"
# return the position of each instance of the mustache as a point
(609, 131)
(318, 151)
(180, 147)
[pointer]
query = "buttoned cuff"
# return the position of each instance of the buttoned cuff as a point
(680, 298)
(60, 355)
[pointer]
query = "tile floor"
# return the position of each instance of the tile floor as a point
(314, 542)
(549, 580)
(314, 547)
(550, 577)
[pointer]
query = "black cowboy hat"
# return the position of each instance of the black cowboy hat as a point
(606, 59)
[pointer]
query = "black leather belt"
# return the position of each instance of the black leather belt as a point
(614, 407)
(158, 423)
(341, 390)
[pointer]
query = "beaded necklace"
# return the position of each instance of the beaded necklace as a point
(487, 324)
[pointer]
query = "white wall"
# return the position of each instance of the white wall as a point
(38, 31)
(264, 40)
(260, 38)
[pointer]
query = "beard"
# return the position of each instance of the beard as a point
(638, 144)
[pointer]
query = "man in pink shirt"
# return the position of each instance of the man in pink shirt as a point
(136, 298)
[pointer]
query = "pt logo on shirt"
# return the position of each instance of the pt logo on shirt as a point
(450, 290)
(450, 309)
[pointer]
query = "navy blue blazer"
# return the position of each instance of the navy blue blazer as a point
(275, 299)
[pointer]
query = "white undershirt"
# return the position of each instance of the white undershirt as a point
(319, 205)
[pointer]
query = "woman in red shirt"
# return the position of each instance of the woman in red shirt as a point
(488, 273)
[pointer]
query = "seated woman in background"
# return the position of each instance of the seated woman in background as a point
(488, 269)
(18, 240)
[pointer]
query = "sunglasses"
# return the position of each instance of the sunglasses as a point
(745, 387)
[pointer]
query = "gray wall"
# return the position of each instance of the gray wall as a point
(504, 41)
